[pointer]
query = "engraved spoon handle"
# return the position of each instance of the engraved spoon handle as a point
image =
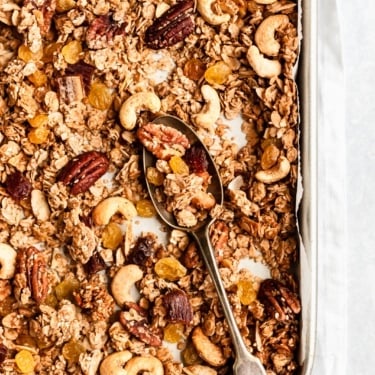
(245, 363)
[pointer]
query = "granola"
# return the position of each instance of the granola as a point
(66, 69)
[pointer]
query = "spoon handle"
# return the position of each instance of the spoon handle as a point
(246, 363)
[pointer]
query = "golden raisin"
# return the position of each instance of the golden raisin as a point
(100, 96)
(26, 55)
(25, 361)
(173, 332)
(145, 208)
(194, 69)
(65, 289)
(38, 135)
(72, 350)
(112, 236)
(38, 78)
(170, 269)
(217, 73)
(65, 5)
(72, 52)
(39, 120)
(154, 176)
(246, 292)
(178, 165)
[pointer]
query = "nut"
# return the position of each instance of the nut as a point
(163, 141)
(137, 102)
(110, 206)
(265, 2)
(265, 34)
(44, 12)
(81, 172)
(211, 111)
(276, 173)
(280, 302)
(269, 157)
(178, 307)
(207, 350)
(7, 261)
(264, 67)
(114, 363)
(39, 205)
(143, 364)
(31, 264)
(171, 27)
(199, 370)
(124, 281)
(204, 7)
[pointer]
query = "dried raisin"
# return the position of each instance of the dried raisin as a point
(18, 186)
(196, 158)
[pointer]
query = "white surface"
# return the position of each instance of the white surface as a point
(346, 293)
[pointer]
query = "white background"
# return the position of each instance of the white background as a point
(346, 171)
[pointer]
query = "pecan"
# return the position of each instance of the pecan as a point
(81, 172)
(18, 186)
(32, 264)
(82, 69)
(70, 88)
(44, 12)
(102, 31)
(279, 301)
(163, 141)
(171, 27)
(136, 323)
(178, 307)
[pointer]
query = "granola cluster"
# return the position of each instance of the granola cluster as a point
(80, 292)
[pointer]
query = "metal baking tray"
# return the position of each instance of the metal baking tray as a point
(307, 214)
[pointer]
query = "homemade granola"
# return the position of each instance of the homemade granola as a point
(80, 83)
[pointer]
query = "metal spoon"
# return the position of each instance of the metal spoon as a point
(245, 363)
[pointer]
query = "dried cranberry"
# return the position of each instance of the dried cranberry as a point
(3, 353)
(18, 186)
(178, 307)
(196, 158)
(95, 264)
(141, 251)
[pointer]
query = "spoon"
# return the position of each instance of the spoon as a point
(245, 363)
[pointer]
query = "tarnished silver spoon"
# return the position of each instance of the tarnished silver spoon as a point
(245, 363)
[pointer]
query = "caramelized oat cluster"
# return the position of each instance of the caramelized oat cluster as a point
(78, 80)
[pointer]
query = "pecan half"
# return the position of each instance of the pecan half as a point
(279, 301)
(81, 172)
(171, 27)
(178, 307)
(102, 31)
(31, 263)
(18, 186)
(134, 320)
(163, 141)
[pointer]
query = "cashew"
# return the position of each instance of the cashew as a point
(137, 102)
(276, 173)
(151, 365)
(114, 363)
(39, 205)
(199, 370)
(265, 34)
(123, 282)
(108, 207)
(7, 261)
(204, 7)
(263, 67)
(265, 2)
(207, 350)
(211, 111)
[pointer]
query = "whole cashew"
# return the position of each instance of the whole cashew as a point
(114, 363)
(137, 102)
(276, 173)
(39, 205)
(265, 68)
(204, 7)
(199, 370)
(7, 261)
(123, 281)
(211, 111)
(207, 350)
(265, 2)
(108, 207)
(265, 34)
(151, 365)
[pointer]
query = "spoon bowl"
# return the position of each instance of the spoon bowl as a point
(245, 363)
